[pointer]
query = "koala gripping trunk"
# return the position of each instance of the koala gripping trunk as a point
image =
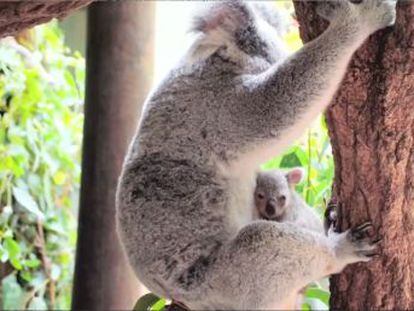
(371, 125)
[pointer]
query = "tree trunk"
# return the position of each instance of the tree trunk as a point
(18, 15)
(371, 125)
(119, 75)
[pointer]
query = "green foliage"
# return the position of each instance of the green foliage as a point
(41, 96)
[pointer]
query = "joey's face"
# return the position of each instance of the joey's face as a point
(272, 196)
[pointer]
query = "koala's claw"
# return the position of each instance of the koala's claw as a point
(378, 240)
(361, 239)
(362, 232)
(357, 244)
(331, 217)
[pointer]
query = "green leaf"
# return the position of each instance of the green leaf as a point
(290, 160)
(15, 262)
(12, 247)
(59, 178)
(31, 263)
(316, 304)
(159, 305)
(26, 200)
(14, 251)
(146, 302)
(306, 307)
(318, 293)
(272, 164)
(26, 275)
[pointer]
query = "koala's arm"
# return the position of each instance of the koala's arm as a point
(294, 92)
(268, 261)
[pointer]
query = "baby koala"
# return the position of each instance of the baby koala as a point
(275, 199)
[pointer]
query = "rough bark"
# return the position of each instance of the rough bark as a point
(371, 125)
(119, 73)
(18, 15)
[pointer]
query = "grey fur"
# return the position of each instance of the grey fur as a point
(185, 194)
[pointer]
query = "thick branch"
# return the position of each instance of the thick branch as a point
(18, 15)
(371, 125)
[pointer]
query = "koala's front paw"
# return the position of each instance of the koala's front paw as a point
(360, 16)
(362, 239)
(375, 14)
(331, 10)
(357, 244)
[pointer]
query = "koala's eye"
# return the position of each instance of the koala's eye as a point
(260, 196)
(282, 199)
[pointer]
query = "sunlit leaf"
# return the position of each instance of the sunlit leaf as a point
(12, 247)
(59, 178)
(32, 263)
(27, 201)
(318, 293)
(159, 305)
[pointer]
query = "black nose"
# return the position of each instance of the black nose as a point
(270, 209)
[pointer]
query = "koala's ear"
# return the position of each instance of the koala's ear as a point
(295, 175)
(228, 16)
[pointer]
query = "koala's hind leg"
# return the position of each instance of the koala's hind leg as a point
(267, 263)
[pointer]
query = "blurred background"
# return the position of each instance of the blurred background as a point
(42, 78)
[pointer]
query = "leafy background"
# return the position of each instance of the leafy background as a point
(41, 96)
(41, 119)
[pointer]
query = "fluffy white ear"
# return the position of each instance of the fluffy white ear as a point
(216, 24)
(295, 175)
(228, 16)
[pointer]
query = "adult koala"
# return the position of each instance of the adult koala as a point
(235, 99)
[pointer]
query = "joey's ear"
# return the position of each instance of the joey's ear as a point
(295, 175)
(228, 16)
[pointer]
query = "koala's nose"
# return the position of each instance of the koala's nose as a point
(270, 209)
